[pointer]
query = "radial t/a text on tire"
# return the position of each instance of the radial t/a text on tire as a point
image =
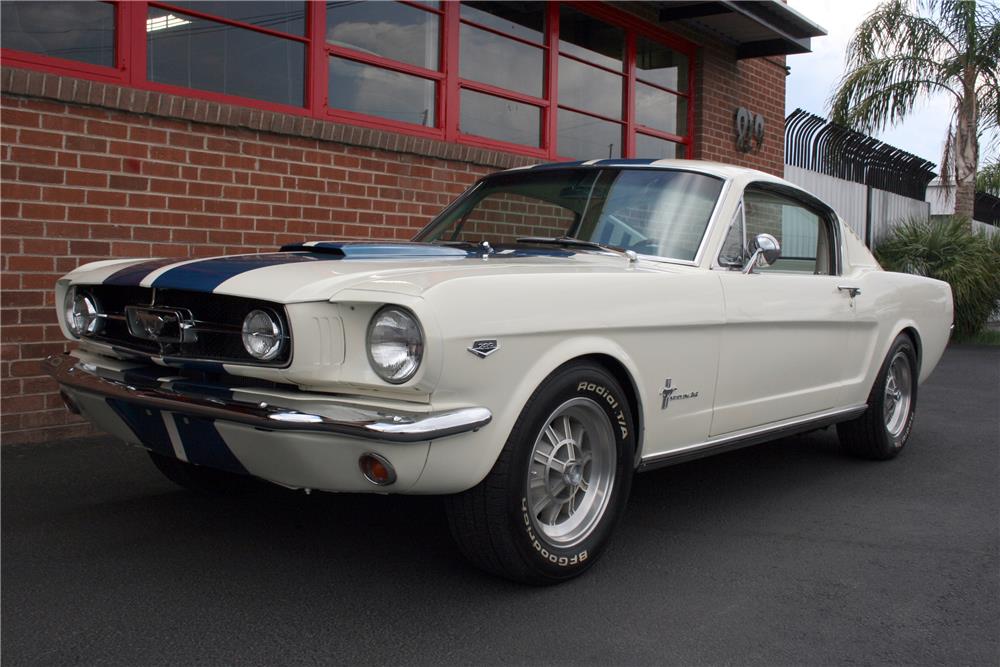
(547, 509)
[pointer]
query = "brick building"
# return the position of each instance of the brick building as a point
(149, 129)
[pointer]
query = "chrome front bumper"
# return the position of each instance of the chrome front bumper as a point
(346, 419)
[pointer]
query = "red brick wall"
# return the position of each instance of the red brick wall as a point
(92, 170)
(723, 85)
(83, 183)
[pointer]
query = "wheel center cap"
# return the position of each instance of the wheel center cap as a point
(573, 475)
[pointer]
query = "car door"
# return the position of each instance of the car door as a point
(787, 326)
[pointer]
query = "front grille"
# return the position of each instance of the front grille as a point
(216, 319)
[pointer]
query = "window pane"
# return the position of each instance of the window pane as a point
(658, 212)
(504, 217)
(387, 29)
(587, 138)
(501, 119)
(589, 88)
(660, 65)
(654, 147)
(187, 51)
(590, 39)
(287, 17)
(81, 31)
(803, 235)
(521, 19)
(375, 91)
(659, 110)
(500, 61)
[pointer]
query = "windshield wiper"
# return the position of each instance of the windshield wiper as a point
(579, 243)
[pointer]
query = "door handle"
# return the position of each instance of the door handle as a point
(850, 289)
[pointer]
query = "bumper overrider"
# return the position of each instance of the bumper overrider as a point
(316, 448)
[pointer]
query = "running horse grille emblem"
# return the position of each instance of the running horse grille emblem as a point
(162, 325)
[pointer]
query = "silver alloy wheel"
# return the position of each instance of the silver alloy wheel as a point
(898, 394)
(571, 472)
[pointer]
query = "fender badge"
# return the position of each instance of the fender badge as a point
(669, 394)
(484, 348)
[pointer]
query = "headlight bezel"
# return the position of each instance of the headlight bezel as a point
(277, 330)
(416, 356)
(75, 297)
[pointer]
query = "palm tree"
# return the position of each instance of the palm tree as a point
(903, 53)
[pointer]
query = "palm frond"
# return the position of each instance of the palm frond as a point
(883, 91)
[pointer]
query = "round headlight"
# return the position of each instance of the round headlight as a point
(395, 344)
(83, 313)
(263, 336)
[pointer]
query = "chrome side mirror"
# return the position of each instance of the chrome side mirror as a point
(764, 251)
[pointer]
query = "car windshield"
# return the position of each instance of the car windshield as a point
(657, 212)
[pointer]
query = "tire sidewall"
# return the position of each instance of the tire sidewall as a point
(551, 561)
(893, 444)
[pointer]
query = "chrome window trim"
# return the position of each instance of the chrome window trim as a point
(727, 184)
(807, 201)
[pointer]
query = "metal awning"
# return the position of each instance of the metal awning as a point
(755, 27)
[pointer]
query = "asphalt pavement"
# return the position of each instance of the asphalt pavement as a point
(783, 554)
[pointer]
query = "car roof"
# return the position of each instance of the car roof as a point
(719, 169)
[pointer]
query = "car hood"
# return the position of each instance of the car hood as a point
(318, 271)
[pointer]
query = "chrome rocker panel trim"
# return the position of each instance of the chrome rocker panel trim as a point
(754, 436)
(351, 420)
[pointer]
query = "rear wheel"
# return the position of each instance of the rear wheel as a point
(882, 431)
(199, 478)
(548, 507)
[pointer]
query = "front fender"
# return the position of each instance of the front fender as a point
(459, 463)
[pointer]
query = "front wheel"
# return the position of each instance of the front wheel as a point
(882, 431)
(548, 507)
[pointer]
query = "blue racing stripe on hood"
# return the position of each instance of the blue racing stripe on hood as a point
(131, 276)
(208, 274)
(355, 250)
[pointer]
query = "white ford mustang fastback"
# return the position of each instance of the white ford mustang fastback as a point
(555, 330)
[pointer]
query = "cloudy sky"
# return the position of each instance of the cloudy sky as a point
(814, 75)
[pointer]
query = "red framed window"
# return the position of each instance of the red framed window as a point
(552, 80)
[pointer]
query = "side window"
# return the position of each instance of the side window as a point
(804, 234)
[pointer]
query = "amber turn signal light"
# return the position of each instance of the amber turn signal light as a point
(377, 469)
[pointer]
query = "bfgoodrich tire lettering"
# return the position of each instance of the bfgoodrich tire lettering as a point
(548, 507)
(882, 431)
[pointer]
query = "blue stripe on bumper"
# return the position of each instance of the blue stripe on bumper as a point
(147, 425)
(204, 446)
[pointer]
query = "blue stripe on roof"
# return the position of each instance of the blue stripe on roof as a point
(609, 162)
(625, 162)
(556, 165)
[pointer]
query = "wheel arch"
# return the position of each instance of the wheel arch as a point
(457, 464)
(914, 335)
(625, 379)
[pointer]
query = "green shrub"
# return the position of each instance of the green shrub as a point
(949, 251)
